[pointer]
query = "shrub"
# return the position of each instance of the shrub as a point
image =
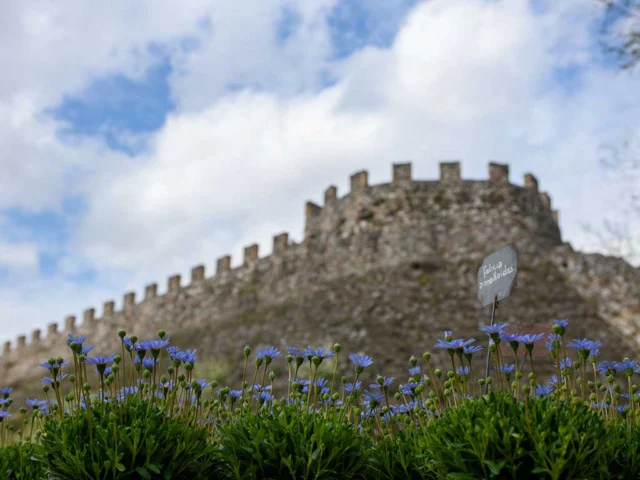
(16, 462)
(623, 451)
(483, 438)
(404, 455)
(290, 444)
(131, 440)
(569, 440)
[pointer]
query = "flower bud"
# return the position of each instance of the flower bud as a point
(426, 356)
(122, 333)
(161, 333)
(133, 338)
(337, 347)
(413, 361)
(247, 351)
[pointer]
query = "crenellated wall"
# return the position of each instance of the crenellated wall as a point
(421, 224)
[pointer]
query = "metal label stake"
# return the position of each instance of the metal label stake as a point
(493, 318)
(496, 279)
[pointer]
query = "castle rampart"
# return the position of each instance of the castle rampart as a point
(370, 227)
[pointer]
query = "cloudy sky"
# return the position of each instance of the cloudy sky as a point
(139, 141)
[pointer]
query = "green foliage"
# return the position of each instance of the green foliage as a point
(152, 420)
(480, 439)
(404, 455)
(498, 437)
(133, 441)
(292, 444)
(569, 441)
(16, 463)
(623, 451)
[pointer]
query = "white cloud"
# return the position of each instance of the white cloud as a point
(18, 256)
(240, 47)
(468, 80)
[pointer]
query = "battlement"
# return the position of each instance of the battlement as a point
(370, 225)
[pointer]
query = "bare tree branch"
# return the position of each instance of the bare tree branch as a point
(619, 233)
(620, 32)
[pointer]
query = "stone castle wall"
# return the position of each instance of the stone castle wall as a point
(427, 225)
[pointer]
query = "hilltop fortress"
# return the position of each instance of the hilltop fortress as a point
(384, 270)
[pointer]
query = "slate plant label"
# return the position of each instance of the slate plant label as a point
(497, 275)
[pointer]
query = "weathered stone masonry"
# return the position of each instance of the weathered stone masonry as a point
(398, 255)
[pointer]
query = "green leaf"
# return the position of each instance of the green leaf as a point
(495, 467)
(143, 473)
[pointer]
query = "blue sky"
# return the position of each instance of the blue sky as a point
(139, 140)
